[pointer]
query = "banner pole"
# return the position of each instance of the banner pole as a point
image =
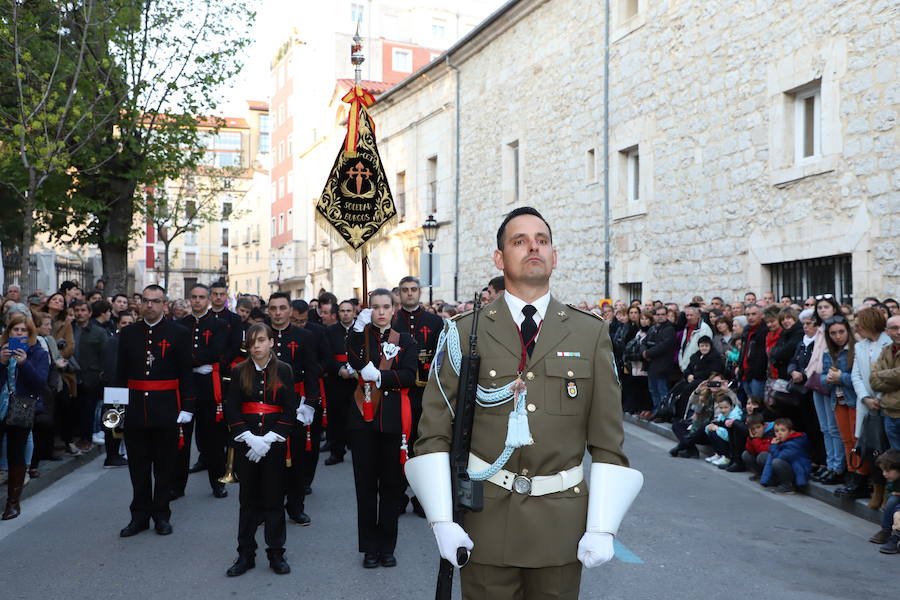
(365, 280)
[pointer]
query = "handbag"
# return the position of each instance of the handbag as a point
(780, 395)
(872, 439)
(814, 383)
(21, 411)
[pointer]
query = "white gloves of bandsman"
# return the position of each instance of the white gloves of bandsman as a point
(184, 417)
(259, 444)
(305, 413)
(362, 319)
(371, 373)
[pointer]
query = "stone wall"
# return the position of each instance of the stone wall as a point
(700, 88)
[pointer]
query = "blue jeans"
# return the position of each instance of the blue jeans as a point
(887, 514)
(754, 387)
(892, 429)
(659, 388)
(834, 446)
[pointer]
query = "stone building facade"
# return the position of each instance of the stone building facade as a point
(752, 145)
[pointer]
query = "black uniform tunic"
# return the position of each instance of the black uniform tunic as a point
(375, 446)
(154, 362)
(208, 337)
(338, 390)
(309, 458)
(297, 347)
(262, 483)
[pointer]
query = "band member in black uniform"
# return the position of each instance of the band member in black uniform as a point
(208, 337)
(154, 363)
(261, 410)
(425, 327)
(297, 347)
(340, 384)
(300, 313)
(379, 431)
(218, 294)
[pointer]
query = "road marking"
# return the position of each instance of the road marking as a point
(35, 506)
(625, 555)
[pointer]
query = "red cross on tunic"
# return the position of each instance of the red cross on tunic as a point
(293, 346)
(206, 335)
(425, 330)
(163, 346)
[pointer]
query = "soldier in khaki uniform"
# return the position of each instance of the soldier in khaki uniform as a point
(539, 518)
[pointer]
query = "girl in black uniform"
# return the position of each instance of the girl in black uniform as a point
(260, 410)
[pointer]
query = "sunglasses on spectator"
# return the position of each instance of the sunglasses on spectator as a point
(824, 297)
(834, 319)
(809, 304)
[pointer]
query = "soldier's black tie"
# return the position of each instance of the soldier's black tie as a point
(529, 327)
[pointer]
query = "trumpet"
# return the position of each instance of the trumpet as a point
(229, 476)
(113, 419)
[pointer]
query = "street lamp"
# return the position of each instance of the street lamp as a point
(430, 227)
(278, 264)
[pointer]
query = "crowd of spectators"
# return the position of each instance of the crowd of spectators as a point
(789, 392)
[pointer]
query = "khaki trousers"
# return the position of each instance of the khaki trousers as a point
(488, 582)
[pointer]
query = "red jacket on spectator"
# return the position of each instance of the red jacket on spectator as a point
(759, 445)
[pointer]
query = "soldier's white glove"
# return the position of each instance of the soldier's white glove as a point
(184, 417)
(362, 319)
(594, 549)
(252, 456)
(305, 413)
(203, 369)
(258, 445)
(450, 537)
(272, 437)
(370, 373)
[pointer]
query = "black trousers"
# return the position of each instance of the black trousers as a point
(378, 477)
(152, 455)
(309, 459)
(88, 399)
(339, 400)
(294, 484)
(15, 443)
(262, 490)
(211, 436)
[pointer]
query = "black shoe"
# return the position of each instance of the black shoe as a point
(299, 517)
(387, 560)
(307, 490)
(417, 508)
(115, 461)
(241, 565)
(784, 488)
(831, 478)
(333, 460)
(163, 527)
(675, 450)
(736, 467)
(856, 487)
(818, 473)
(880, 537)
(220, 491)
(370, 560)
(892, 545)
(689, 453)
(134, 528)
(175, 495)
(404, 502)
(325, 447)
(279, 565)
(196, 468)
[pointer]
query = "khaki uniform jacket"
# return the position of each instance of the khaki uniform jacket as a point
(885, 379)
(513, 529)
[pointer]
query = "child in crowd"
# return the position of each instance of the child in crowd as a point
(727, 411)
(691, 430)
(756, 449)
(788, 464)
(889, 535)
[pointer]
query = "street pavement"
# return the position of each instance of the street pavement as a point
(694, 532)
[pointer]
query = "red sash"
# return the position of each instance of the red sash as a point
(160, 385)
(259, 408)
(340, 358)
(217, 392)
(405, 424)
(298, 387)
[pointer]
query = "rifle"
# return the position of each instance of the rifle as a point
(467, 494)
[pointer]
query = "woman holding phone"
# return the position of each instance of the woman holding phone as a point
(24, 367)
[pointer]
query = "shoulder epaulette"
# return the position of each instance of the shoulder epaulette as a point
(459, 316)
(586, 312)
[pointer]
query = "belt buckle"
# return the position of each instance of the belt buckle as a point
(522, 485)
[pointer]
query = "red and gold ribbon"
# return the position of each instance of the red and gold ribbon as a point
(359, 100)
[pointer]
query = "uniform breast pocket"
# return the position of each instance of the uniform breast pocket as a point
(568, 385)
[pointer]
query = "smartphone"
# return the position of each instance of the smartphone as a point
(18, 343)
(714, 384)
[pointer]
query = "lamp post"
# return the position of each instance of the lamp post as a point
(430, 227)
(278, 275)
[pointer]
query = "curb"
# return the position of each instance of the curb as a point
(53, 471)
(857, 508)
